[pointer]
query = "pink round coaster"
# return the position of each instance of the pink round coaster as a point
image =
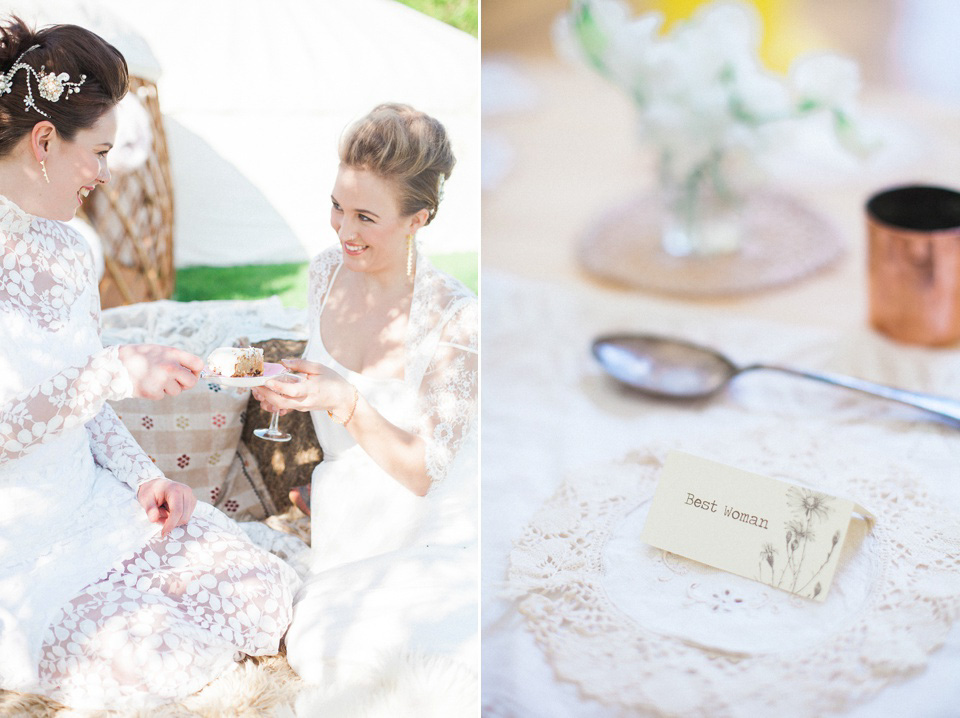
(783, 240)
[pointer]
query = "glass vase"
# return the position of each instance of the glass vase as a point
(702, 210)
(709, 230)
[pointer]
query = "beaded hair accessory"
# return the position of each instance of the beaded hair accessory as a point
(440, 183)
(50, 85)
(441, 180)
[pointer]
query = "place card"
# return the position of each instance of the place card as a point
(784, 535)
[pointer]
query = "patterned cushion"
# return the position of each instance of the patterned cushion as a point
(244, 494)
(193, 438)
(289, 464)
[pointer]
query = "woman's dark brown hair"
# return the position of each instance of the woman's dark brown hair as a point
(62, 48)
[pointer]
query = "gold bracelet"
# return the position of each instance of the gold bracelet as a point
(356, 398)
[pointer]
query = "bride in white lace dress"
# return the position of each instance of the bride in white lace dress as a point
(116, 588)
(392, 369)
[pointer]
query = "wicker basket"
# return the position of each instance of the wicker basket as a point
(133, 214)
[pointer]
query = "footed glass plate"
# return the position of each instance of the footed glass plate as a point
(270, 371)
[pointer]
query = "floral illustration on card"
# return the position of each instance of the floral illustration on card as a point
(796, 566)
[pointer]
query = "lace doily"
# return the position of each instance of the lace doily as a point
(200, 327)
(636, 627)
(540, 625)
(782, 241)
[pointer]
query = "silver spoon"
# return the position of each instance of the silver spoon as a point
(674, 369)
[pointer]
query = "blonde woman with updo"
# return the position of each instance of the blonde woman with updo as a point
(391, 373)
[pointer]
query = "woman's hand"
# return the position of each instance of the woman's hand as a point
(157, 371)
(167, 502)
(261, 395)
(400, 453)
(321, 389)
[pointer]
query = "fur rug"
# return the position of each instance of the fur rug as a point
(258, 687)
(408, 685)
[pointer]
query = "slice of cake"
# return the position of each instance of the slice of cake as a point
(236, 361)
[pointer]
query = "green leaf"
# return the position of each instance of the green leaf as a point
(591, 37)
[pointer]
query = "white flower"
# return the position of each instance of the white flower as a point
(611, 16)
(721, 35)
(702, 93)
(51, 85)
(825, 80)
(629, 51)
(603, 35)
(735, 26)
(565, 41)
(760, 97)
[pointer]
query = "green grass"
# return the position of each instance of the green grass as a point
(462, 14)
(288, 281)
(462, 265)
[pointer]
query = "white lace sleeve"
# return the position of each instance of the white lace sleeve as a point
(61, 402)
(112, 445)
(448, 392)
(321, 268)
(116, 450)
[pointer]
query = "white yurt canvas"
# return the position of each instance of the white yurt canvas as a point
(255, 96)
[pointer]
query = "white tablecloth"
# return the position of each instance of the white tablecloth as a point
(549, 416)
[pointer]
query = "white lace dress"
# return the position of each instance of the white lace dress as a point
(391, 571)
(95, 608)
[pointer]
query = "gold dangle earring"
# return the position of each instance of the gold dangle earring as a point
(43, 166)
(409, 254)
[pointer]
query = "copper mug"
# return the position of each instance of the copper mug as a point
(914, 264)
